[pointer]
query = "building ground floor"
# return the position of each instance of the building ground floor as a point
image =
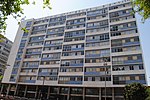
(63, 93)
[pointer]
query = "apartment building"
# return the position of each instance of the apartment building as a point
(89, 54)
(5, 47)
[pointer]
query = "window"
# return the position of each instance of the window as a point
(134, 58)
(137, 78)
(92, 91)
(141, 67)
(127, 77)
(76, 91)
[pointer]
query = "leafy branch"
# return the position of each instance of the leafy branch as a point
(142, 7)
(13, 8)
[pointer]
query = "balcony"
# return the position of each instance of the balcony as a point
(14, 72)
(75, 35)
(24, 73)
(23, 41)
(44, 73)
(97, 55)
(18, 58)
(75, 29)
(127, 62)
(33, 66)
(56, 44)
(16, 66)
(51, 58)
(77, 49)
(76, 23)
(119, 9)
(12, 80)
(81, 64)
(93, 40)
(131, 43)
(37, 40)
(97, 19)
(122, 29)
(70, 82)
(21, 46)
(120, 15)
(95, 14)
(74, 65)
(43, 29)
(94, 73)
(32, 59)
(133, 61)
(38, 52)
(29, 81)
(101, 26)
(20, 52)
(48, 73)
(55, 32)
(137, 81)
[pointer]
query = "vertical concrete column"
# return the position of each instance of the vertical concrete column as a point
(48, 93)
(8, 89)
(2, 87)
(68, 96)
(16, 89)
(83, 93)
(58, 93)
(100, 94)
(25, 91)
(113, 96)
(36, 92)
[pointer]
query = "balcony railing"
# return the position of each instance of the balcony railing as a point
(37, 40)
(75, 65)
(51, 58)
(99, 26)
(48, 74)
(14, 72)
(56, 44)
(18, 58)
(95, 14)
(29, 81)
(70, 82)
(131, 43)
(97, 55)
(12, 80)
(137, 81)
(95, 73)
(75, 35)
(55, 32)
(76, 23)
(76, 49)
(128, 61)
(38, 52)
(33, 66)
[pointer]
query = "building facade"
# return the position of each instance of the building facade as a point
(89, 54)
(5, 47)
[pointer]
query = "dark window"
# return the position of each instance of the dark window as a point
(92, 91)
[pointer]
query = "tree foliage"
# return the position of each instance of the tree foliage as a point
(142, 7)
(14, 8)
(148, 90)
(135, 91)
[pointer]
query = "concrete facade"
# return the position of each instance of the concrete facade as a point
(89, 54)
(5, 47)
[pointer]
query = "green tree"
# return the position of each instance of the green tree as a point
(148, 90)
(142, 7)
(135, 91)
(14, 8)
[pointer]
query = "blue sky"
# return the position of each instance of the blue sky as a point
(62, 6)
